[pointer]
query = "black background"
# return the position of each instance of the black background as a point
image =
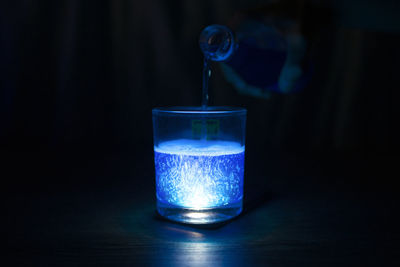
(78, 82)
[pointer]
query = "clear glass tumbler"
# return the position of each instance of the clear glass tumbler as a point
(199, 163)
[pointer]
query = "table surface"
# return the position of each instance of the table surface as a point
(298, 211)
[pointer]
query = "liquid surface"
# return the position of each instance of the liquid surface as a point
(199, 174)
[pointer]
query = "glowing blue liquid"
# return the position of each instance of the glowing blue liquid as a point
(199, 174)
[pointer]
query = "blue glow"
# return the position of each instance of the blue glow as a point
(199, 174)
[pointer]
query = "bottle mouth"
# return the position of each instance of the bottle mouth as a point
(199, 110)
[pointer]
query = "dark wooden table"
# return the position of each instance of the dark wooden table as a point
(299, 211)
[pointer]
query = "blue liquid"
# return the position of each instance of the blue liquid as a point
(206, 77)
(199, 174)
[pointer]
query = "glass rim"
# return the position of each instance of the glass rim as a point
(192, 110)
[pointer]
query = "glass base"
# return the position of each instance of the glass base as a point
(199, 216)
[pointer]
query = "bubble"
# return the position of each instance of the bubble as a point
(217, 42)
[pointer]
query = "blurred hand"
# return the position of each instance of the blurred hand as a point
(270, 53)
